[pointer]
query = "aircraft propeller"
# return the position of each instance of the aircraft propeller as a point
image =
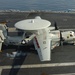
(55, 24)
(61, 38)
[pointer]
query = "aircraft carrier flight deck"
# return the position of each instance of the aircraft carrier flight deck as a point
(62, 57)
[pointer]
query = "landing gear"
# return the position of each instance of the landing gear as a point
(61, 43)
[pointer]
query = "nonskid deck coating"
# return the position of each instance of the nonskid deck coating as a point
(63, 57)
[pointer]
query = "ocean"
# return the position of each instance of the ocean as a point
(26, 5)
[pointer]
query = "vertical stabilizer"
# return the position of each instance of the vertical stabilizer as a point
(42, 44)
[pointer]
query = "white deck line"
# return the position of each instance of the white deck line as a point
(40, 65)
(0, 71)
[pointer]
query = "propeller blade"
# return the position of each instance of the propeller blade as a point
(60, 36)
(56, 28)
(61, 39)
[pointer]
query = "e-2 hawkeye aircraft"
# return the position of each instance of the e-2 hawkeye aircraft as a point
(42, 35)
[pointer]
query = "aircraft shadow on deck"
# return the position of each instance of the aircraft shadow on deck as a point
(19, 60)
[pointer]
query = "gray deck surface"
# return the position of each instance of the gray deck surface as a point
(62, 58)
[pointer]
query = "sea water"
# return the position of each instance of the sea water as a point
(54, 5)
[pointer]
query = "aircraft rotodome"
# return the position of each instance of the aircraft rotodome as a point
(41, 40)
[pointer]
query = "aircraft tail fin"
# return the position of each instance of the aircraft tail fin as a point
(3, 27)
(1, 39)
(42, 44)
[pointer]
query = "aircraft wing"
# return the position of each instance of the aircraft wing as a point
(43, 46)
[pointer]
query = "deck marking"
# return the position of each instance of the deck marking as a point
(0, 71)
(40, 65)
